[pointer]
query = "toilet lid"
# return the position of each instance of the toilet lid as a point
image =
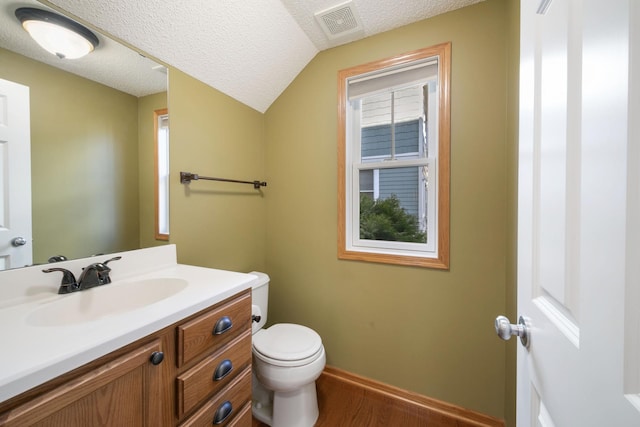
(287, 342)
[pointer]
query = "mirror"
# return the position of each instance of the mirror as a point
(92, 143)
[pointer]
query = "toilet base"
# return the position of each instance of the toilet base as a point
(263, 412)
(298, 408)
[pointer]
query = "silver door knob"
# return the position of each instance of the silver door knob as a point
(19, 241)
(506, 330)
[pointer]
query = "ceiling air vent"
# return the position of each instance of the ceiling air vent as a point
(340, 20)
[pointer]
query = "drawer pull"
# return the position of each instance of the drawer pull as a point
(222, 325)
(224, 368)
(222, 413)
(156, 357)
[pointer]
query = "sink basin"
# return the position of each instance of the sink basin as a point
(103, 301)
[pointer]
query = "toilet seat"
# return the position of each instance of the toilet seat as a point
(287, 344)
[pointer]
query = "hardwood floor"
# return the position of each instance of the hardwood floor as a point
(348, 400)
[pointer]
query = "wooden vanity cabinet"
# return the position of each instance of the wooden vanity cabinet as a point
(124, 391)
(132, 387)
(213, 385)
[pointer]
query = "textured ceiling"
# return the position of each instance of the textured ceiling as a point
(250, 50)
(377, 16)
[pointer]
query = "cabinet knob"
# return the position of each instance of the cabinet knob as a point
(222, 325)
(156, 357)
(222, 413)
(224, 368)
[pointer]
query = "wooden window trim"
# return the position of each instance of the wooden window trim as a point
(443, 51)
(158, 235)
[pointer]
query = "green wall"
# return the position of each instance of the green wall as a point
(424, 330)
(216, 224)
(513, 69)
(84, 161)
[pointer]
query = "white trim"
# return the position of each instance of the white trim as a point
(405, 251)
(354, 164)
(393, 164)
(163, 173)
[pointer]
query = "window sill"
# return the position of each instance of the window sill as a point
(441, 262)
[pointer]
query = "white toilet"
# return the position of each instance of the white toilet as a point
(287, 360)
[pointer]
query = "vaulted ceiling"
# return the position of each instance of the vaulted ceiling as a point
(250, 50)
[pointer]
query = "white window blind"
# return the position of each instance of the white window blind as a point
(391, 78)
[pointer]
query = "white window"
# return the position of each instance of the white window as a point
(162, 173)
(394, 160)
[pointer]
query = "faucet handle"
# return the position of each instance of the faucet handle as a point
(103, 270)
(68, 283)
(95, 274)
(116, 258)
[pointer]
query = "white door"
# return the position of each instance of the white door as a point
(15, 176)
(579, 214)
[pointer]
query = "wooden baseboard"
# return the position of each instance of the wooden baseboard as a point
(426, 410)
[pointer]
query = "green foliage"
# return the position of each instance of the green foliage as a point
(385, 219)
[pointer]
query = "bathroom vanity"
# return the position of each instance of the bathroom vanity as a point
(182, 358)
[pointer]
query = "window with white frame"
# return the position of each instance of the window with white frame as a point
(162, 173)
(394, 160)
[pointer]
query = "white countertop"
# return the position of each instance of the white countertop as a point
(31, 355)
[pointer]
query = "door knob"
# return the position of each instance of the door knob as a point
(19, 241)
(505, 329)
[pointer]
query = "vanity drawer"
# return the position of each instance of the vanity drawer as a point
(243, 419)
(199, 382)
(234, 398)
(213, 328)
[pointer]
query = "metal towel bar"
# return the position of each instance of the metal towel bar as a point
(187, 177)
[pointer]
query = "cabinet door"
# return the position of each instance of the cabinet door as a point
(123, 392)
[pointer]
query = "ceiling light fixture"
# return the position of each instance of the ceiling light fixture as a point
(57, 34)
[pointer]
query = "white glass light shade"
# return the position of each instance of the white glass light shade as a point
(58, 40)
(57, 34)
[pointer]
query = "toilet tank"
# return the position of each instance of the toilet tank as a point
(259, 299)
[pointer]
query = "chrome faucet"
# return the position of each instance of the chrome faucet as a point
(95, 274)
